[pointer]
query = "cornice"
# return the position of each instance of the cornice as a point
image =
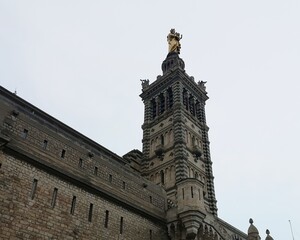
(37, 114)
(170, 78)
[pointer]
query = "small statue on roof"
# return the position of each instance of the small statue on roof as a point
(202, 84)
(173, 41)
(145, 83)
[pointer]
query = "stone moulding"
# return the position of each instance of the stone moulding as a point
(3, 140)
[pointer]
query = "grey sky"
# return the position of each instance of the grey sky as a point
(82, 61)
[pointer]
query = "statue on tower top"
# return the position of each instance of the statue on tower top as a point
(173, 41)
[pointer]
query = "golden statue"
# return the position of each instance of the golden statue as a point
(173, 41)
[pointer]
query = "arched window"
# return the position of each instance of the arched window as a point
(198, 110)
(185, 99)
(192, 105)
(169, 98)
(153, 108)
(161, 103)
(192, 173)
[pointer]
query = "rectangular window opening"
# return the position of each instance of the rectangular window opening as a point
(183, 193)
(63, 153)
(121, 225)
(150, 234)
(110, 178)
(33, 188)
(96, 171)
(45, 144)
(0, 165)
(54, 195)
(150, 198)
(91, 212)
(73, 205)
(199, 192)
(80, 163)
(192, 192)
(106, 219)
(25, 133)
(124, 185)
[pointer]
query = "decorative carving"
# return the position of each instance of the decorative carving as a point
(145, 83)
(173, 41)
(201, 84)
(171, 204)
(222, 232)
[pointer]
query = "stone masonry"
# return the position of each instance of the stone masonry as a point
(56, 183)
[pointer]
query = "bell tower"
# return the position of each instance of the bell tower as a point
(176, 151)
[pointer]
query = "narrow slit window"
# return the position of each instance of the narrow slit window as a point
(24, 133)
(162, 140)
(150, 199)
(121, 225)
(192, 192)
(54, 196)
(0, 165)
(106, 219)
(33, 189)
(73, 205)
(91, 212)
(63, 153)
(150, 234)
(96, 171)
(124, 185)
(162, 177)
(199, 192)
(183, 193)
(110, 178)
(80, 163)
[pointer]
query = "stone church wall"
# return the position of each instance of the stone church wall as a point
(30, 210)
(56, 183)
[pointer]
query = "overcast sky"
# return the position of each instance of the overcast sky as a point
(82, 61)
